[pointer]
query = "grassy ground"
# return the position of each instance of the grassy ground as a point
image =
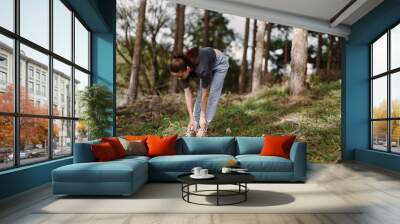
(314, 119)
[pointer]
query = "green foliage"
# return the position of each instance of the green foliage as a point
(220, 35)
(277, 49)
(97, 103)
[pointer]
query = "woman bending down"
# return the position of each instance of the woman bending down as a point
(210, 66)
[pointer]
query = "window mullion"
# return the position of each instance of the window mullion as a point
(16, 84)
(73, 82)
(371, 140)
(50, 81)
(389, 104)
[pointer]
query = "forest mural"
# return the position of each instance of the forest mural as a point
(281, 80)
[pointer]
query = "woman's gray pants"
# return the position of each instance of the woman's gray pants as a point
(219, 72)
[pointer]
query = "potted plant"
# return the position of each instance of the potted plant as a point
(96, 102)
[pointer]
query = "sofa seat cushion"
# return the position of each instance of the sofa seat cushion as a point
(112, 171)
(257, 163)
(185, 163)
(133, 157)
(205, 145)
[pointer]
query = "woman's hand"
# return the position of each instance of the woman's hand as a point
(190, 131)
(191, 126)
(203, 122)
(202, 131)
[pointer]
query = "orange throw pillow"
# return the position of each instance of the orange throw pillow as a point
(277, 145)
(103, 152)
(161, 145)
(116, 145)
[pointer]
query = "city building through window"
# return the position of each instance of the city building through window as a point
(40, 124)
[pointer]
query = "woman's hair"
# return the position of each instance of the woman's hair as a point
(180, 62)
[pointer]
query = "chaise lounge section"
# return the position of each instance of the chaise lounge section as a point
(88, 177)
(125, 176)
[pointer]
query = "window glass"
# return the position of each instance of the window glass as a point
(62, 29)
(379, 135)
(7, 14)
(395, 136)
(395, 47)
(33, 140)
(30, 87)
(6, 74)
(39, 62)
(395, 95)
(6, 142)
(34, 21)
(62, 138)
(81, 131)
(81, 45)
(81, 82)
(62, 91)
(379, 56)
(379, 97)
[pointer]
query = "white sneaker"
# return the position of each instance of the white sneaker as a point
(190, 133)
(201, 132)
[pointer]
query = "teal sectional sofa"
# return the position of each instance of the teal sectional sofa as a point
(125, 176)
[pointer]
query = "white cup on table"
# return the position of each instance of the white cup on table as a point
(203, 172)
(196, 171)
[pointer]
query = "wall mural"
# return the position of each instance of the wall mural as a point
(188, 71)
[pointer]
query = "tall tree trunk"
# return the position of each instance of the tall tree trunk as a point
(178, 42)
(329, 57)
(154, 62)
(286, 48)
(206, 30)
(258, 58)
(267, 47)
(133, 82)
(253, 47)
(253, 53)
(338, 57)
(298, 63)
(318, 63)
(181, 33)
(243, 66)
(338, 54)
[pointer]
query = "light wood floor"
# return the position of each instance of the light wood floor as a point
(377, 188)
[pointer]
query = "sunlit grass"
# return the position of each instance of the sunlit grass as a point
(314, 119)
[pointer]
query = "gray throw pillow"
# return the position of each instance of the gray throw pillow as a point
(135, 147)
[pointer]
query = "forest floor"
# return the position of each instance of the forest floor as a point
(315, 118)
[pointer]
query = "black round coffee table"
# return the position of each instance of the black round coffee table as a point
(238, 179)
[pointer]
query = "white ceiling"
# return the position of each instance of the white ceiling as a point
(320, 9)
(315, 15)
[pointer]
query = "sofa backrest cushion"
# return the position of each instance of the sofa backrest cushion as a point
(206, 145)
(249, 145)
(83, 152)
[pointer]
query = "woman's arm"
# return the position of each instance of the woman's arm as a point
(189, 102)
